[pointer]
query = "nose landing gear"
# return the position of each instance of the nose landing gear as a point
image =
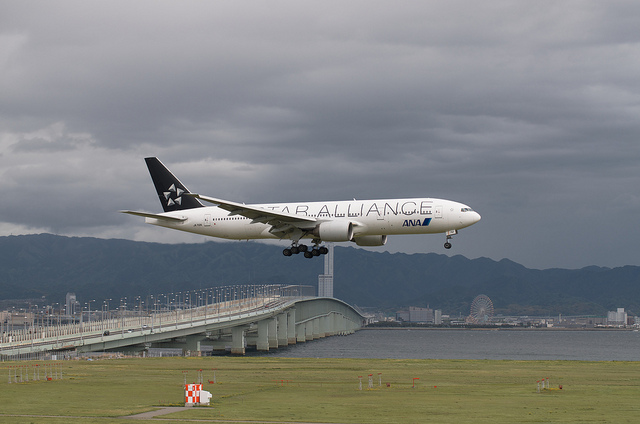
(450, 234)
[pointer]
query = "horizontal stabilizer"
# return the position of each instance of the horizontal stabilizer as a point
(155, 216)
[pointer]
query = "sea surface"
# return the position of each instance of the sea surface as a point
(520, 344)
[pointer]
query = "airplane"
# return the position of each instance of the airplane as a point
(364, 222)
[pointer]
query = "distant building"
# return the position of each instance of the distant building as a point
(71, 304)
(415, 314)
(618, 317)
(577, 321)
(402, 316)
(17, 320)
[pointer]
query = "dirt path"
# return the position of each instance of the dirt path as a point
(157, 412)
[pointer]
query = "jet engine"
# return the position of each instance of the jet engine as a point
(334, 231)
(370, 240)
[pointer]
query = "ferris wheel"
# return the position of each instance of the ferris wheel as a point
(481, 309)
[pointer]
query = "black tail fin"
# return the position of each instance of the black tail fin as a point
(169, 188)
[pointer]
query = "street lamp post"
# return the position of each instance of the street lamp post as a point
(123, 310)
(89, 311)
(140, 314)
(33, 327)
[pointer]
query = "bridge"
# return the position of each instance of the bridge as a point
(264, 320)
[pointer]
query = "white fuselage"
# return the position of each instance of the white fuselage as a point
(370, 217)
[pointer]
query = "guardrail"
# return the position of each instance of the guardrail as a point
(68, 336)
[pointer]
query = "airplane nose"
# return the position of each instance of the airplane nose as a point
(469, 218)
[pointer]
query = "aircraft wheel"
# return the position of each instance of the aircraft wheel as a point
(303, 247)
(308, 254)
(324, 250)
(315, 252)
(295, 250)
(447, 245)
(286, 252)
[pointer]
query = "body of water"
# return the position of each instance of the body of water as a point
(521, 344)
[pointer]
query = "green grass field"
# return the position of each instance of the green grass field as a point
(262, 389)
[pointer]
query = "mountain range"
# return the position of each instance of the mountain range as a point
(32, 266)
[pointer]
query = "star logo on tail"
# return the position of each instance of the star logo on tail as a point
(173, 195)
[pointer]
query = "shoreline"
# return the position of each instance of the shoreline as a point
(503, 328)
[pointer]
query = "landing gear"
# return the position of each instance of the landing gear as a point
(451, 233)
(296, 248)
(317, 249)
(293, 250)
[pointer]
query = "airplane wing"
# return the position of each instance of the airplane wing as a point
(254, 213)
(281, 223)
(155, 216)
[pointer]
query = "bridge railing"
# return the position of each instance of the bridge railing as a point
(155, 319)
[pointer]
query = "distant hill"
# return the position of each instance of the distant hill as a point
(32, 266)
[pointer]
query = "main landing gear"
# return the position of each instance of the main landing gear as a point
(303, 248)
(451, 233)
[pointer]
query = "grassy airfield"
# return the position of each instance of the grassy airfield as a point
(263, 389)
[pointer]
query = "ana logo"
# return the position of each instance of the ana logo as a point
(416, 222)
(173, 195)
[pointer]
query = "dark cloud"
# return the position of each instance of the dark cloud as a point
(526, 111)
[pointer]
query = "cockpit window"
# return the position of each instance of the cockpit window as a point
(466, 210)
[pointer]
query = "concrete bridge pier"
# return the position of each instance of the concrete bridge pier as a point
(301, 332)
(273, 333)
(309, 330)
(341, 327)
(337, 323)
(331, 321)
(283, 322)
(238, 340)
(193, 345)
(316, 329)
(291, 326)
(262, 343)
(326, 325)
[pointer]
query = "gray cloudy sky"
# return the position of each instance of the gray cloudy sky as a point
(527, 111)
